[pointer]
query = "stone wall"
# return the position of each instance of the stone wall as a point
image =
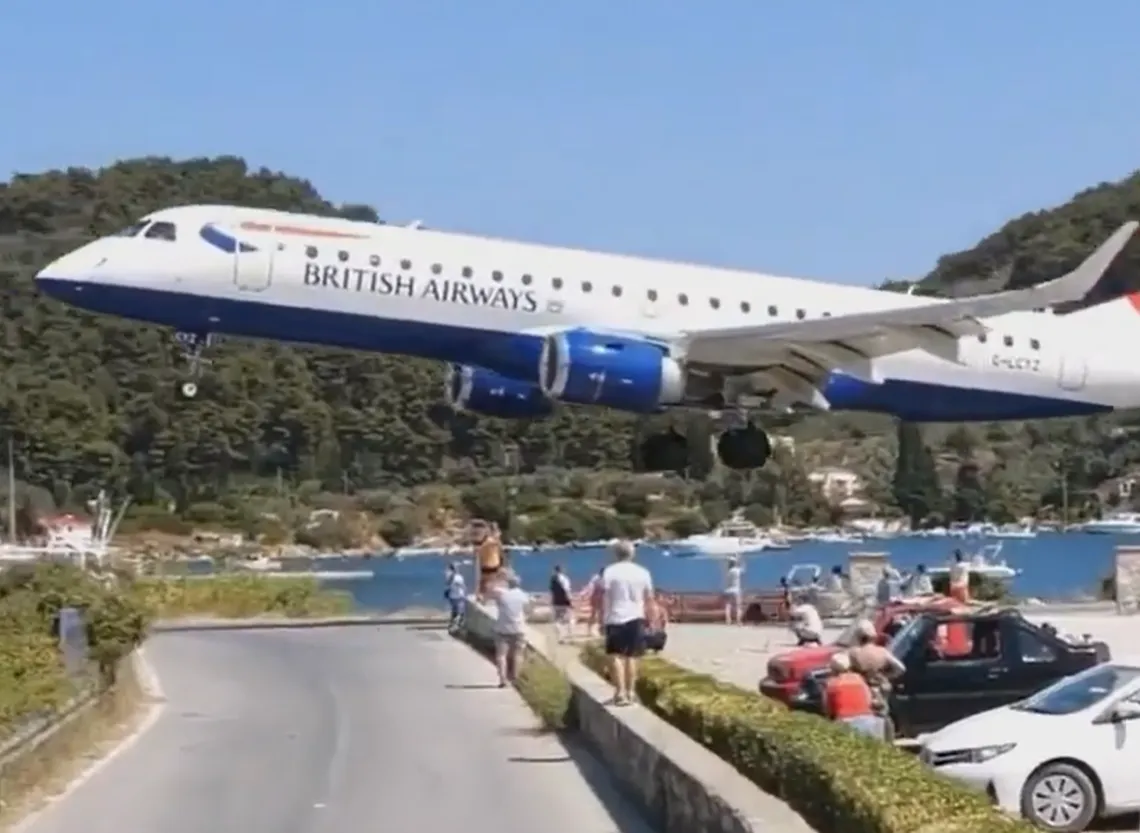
(680, 785)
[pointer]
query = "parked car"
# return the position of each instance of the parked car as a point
(1061, 758)
(961, 663)
(786, 671)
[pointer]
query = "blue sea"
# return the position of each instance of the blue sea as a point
(1053, 566)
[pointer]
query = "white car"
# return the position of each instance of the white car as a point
(1061, 758)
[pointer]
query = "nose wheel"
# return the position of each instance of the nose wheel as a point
(193, 347)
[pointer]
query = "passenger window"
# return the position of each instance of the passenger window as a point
(801, 314)
(467, 272)
(587, 286)
(1034, 344)
(745, 306)
(1008, 341)
(526, 279)
(1032, 648)
(651, 295)
(773, 311)
(311, 251)
(342, 256)
(827, 315)
(682, 299)
(436, 268)
(162, 231)
(374, 260)
(497, 276)
(405, 265)
(982, 338)
(556, 283)
(616, 291)
(714, 303)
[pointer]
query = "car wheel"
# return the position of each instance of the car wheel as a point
(1059, 797)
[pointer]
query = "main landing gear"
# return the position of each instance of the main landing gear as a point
(742, 448)
(193, 347)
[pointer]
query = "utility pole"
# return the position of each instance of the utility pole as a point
(11, 492)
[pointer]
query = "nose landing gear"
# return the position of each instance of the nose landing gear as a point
(193, 347)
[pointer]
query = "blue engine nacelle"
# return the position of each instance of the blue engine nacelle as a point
(622, 373)
(480, 391)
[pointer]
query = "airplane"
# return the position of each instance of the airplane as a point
(523, 327)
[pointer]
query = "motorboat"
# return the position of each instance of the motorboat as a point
(1119, 523)
(733, 537)
(983, 563)
(1014, 531)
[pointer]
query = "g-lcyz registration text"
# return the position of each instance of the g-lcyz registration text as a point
(1025, 364)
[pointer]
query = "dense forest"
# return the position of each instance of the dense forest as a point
(91, 402)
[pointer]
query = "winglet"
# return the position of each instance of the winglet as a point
(1077, 285)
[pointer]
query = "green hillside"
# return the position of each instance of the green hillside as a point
(91, 402)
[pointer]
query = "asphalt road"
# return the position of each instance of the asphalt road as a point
(364, 728)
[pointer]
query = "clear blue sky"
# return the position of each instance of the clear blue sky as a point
(842, 140)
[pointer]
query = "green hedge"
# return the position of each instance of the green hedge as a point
(33, 680)
(239, 595)
(838, 780)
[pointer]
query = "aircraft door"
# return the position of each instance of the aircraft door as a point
(253, 264)
(1074, 371)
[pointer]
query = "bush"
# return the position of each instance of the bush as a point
(239, 596)
(838, 780)
(33, 679)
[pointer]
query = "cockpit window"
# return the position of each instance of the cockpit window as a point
(131, 230)
(162, 231)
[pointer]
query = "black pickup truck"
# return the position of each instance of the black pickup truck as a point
(964, 663)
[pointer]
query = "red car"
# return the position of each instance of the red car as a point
(787, 670)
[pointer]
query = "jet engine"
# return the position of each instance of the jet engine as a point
(479, 391)
(626, 374)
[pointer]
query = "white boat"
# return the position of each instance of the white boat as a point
(1119, 523)
(983, 563)
(262, 564)
(1019, 531)
(733, 537)
(839, 538)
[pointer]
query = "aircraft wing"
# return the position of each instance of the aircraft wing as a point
(797, 355)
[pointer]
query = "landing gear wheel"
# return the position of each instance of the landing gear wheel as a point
(193, 347)
(188, 390)
(1059, 797)
(744, 448)
(665, 452)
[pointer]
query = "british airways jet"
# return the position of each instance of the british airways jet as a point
(524, 327)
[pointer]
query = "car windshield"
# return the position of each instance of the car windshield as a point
(1080, 691)
(904, 640)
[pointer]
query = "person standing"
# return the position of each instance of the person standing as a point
(960, 578)
(733, 591)
(512, 603)
(455, 591)
(562, 604)
(628, 603)
(489, 554)
(879, 667)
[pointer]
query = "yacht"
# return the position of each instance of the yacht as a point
(983, 563)
(733, 537)
(1119, 523)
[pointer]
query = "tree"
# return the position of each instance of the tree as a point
(916, 488)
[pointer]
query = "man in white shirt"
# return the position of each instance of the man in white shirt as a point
(627, 606)
(733, 591)
(512, 603)
(806, 623)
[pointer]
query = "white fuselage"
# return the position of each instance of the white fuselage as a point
(480, 301)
